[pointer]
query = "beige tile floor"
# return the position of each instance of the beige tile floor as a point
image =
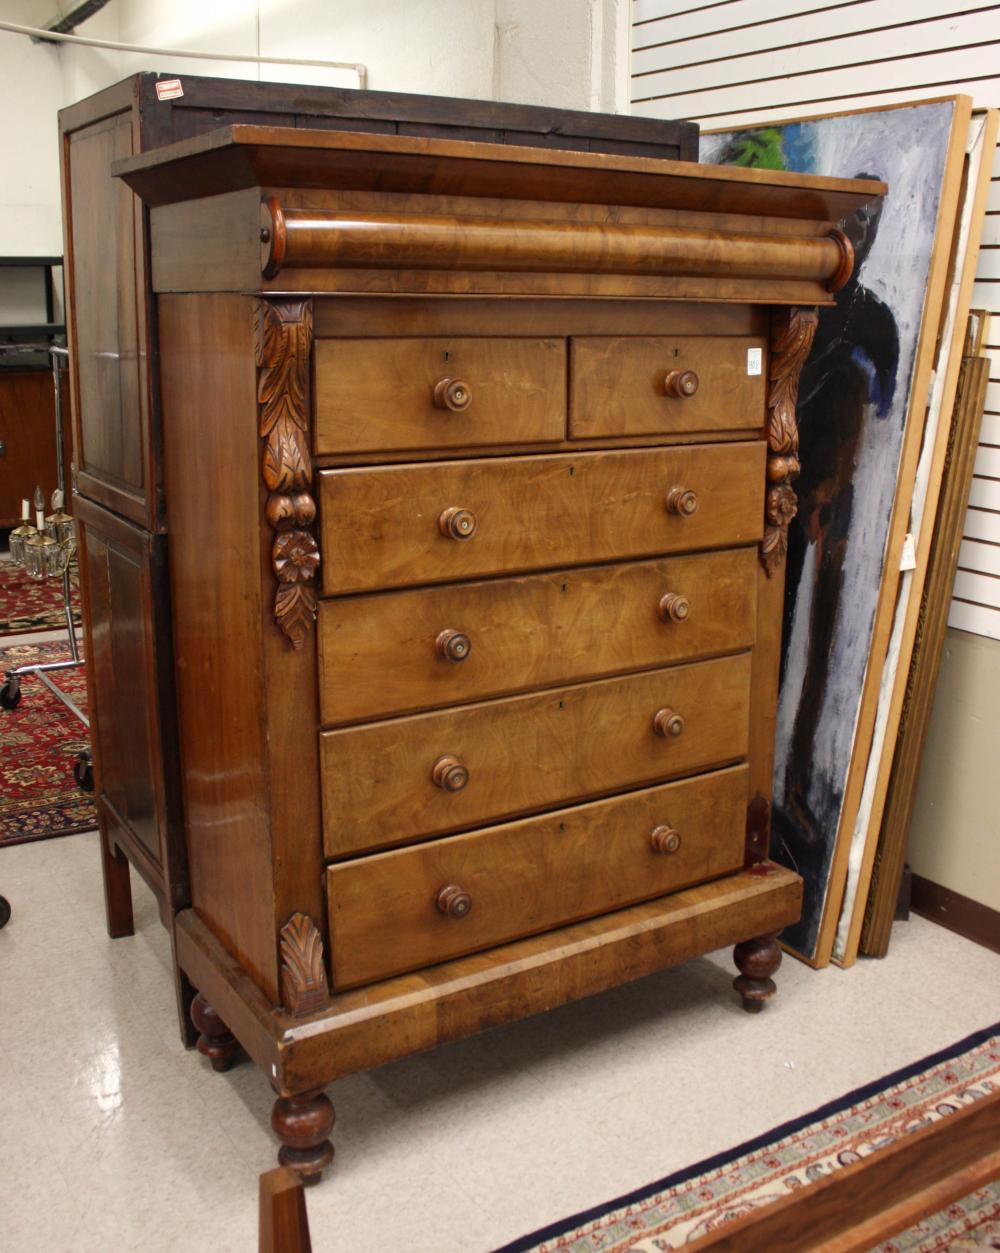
(115, 1138)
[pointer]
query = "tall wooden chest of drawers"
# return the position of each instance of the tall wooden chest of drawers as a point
(478, 466)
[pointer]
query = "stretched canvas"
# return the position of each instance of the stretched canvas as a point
(854, 402)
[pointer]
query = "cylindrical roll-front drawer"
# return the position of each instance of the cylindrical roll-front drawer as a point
(379, 655)
(383, 784)
(438, 393)
(652, 385)
(411, 908)
(387, 527)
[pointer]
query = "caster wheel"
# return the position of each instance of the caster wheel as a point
(10, 694)
(4, 911)
(83, 771)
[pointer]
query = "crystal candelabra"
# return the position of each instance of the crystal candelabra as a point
(45, 549)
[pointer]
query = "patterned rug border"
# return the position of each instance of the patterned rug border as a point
(525, 1244)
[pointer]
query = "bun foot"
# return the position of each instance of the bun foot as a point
(756, 961)
(215, 1041)
(302, 1124)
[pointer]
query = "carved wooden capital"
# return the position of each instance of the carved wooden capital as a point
(792, 332)
(304, 988)
(283, 343)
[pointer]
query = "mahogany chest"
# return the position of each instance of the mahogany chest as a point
(477, 464)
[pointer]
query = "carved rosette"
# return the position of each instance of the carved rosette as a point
(304, 989)
(283, 342)
(792, 332)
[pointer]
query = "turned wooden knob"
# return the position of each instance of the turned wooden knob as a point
(664, 840)
(674, 608)
(453, 394)
(667, 722)
(453, 645)
(457, 523)
(449, 774)
(451, 900)
(680, 383)
(682, 501)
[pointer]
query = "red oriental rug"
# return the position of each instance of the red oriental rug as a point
(27, 605)
(39, 741)
(699, 1201)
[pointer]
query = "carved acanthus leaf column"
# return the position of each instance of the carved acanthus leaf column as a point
(283, 342)
(792, 332)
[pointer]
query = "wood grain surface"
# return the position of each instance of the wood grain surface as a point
(377, 654)
(379, 393)
(528, 752)
(380, 526)
(527, 876)
(617, 385)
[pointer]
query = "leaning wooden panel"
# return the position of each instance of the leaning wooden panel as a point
(860, 415)
(922, 511)
(925, 661)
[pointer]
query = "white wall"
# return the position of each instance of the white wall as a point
(31, 90)
(749, 61)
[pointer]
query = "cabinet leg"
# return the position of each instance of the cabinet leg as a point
(756, 961)
(117, 888)
(302, 1124)
(216, 1041)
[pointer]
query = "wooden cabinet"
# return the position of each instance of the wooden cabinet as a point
(474, 640)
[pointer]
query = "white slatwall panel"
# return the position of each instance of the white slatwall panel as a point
(740, 62)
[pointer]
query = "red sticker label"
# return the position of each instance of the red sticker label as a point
(169, 89)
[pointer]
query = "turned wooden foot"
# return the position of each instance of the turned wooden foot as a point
(215, 1041)
(302, 1124)
(756, 961)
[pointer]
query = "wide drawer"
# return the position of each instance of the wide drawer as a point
(438, 393)
(656, 385)
(396, 525)
(410, 908)
(390, 782)
(382, 654)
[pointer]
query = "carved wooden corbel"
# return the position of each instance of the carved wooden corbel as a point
(792, 332)
(304, 988)
(283, 342)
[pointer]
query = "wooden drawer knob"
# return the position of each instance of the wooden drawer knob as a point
(451, 900)
(667, 722)
(664, 840)
(457, 523)
(680, 383)
(453, 394)
(674, 608)
(449, 774)
(453, 645)
(682, 501)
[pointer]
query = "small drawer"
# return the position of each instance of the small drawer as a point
(379, 394)
(657, 385)
(386, 654)
(394, 526)
(391, 782)
(402, 910)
